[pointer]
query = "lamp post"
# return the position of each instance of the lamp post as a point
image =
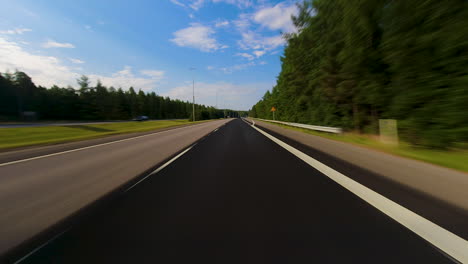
(193, 94)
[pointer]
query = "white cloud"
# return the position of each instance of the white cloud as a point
(54, 44)
(237, 67)
(197, 36)
(238, 3)
(230, 95)
(243, 22)
(48, 70)
(210, 68)
(253, 40)
(277, 17)
(15, 31)
(197, 4)
(246, 55)
(77, 61)
(177, 3)
(154, 74)
(223, 23)
(126, 79)
(44, 70)
(259, 53)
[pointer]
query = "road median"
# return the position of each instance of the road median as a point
(20, 137)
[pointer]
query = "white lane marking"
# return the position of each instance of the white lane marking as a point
(216, 129)
(152, 173)
(247, 122)
(161, 167)
(39, 247)
(451, 244)
(93, 146)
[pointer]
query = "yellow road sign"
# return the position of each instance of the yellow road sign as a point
(273, 109)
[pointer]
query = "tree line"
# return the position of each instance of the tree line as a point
(19, 95)
(352, 63)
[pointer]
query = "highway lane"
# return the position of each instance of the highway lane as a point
(41, 191)
(237, 197)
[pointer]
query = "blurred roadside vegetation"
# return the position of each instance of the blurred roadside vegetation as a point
(352, 63)
(19, 94)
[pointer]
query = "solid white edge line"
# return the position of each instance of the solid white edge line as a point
(451, 244)
(161, 167)
(93, 146)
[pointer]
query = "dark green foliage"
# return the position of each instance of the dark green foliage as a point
(19, 94)
(353, 62)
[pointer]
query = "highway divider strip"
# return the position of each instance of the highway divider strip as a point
(448, 242)
(94, 146)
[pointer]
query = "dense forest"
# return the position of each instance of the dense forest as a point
(352, 63)
(19, 95)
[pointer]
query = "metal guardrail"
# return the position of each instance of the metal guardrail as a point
(336, 130)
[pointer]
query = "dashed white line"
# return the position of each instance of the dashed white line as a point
(39, 247)
(161, 167)
(453, 245)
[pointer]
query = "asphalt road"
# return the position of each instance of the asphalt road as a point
(237, 197)
(39, 192)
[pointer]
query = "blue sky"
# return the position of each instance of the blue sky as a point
(234, 45)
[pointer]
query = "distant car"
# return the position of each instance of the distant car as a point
(141, 118)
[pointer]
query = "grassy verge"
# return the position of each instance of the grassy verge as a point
(29, 136)
(453, 158)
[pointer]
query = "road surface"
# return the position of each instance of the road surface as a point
(236, 197)
(38, 192)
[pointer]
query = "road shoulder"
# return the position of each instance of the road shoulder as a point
(436, 193)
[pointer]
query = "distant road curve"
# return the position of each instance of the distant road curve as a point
(37, 192)
(70, 123)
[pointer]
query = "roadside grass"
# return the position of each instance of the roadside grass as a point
(30, 136)
(456, 158)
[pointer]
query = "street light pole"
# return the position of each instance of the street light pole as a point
(193, 94)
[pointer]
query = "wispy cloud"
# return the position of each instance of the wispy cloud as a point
(177, 3)
(277, 17)
(253, 40)
(197, 36)
(246, 55)
(238, 3)
(259, 53)
(237, 67)
(197, 4)
(89, 28)
(76, 61)
(222, 23)
(125, 78)
(222, 94)
(49, 70)
(154, 74)
(17, 31)
(54, 44)
(45, 70)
